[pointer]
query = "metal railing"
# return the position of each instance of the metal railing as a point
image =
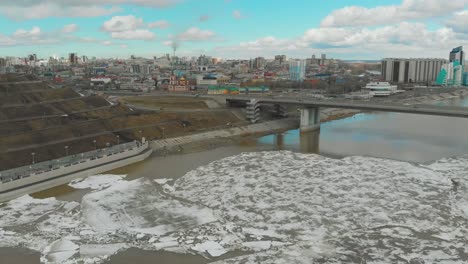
(55, 164)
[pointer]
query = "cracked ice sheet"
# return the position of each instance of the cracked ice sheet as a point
(138, 207)
(49, 221)
(386, 211)
(357, 207)
(25, 210)
(97, 182)
(457, 170)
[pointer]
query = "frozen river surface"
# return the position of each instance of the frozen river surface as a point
(275, 207)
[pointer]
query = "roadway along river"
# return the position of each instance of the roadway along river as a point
(380, 190)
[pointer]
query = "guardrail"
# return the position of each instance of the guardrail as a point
(67, 161)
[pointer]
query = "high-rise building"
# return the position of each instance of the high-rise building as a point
(323, 59)
(32, 57)
(297, 70)
(73, 58)
(204, 60)
(452, 73)
(136, 68)
(259, 63)
(280, 58)
(465, 79)
(411, 70)
(145, 69)
(457, 54)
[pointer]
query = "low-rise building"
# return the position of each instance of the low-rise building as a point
(175, 84)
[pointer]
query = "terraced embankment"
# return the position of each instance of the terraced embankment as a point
(35, 118)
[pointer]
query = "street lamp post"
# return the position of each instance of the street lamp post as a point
(33, 154)
(66, 150)
(118, 139)
(95, 146)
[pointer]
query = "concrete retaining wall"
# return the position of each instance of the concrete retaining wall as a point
(270, 126)
(65, 174)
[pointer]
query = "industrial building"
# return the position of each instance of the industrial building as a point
(411, 70)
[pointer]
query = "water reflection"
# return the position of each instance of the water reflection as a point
(305, 142)
(407, 137)
(279, 141)
(309, 141)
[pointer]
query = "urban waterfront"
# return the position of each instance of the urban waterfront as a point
(267, 199)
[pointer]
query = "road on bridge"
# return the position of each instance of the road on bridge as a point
(451, 111)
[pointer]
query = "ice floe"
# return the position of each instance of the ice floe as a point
(276, 207)
(210, 247)
(97, 250)
(59, 251)
(97, 182)
(137, 206)
(26, 210)
(355, 205)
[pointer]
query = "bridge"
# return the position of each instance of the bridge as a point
(310, 108)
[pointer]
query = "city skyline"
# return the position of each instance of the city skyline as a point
(350, 30)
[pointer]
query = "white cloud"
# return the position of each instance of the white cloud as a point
(381, 15)
(272, 43)
(122, 23)
(404, 39)
(459, 22)
(402, 33)
(138, 34)
(195, 34)
(168, 43)
(36, 36)
(162, 24)
(34, 33)
(236, 14)
(70, 28)
(128, 27)
(35, 9)
(48, 9)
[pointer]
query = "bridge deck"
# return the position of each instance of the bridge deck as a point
(366, 106)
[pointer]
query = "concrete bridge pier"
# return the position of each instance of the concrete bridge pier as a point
(280, 110)
(253, 111)
(310, 119)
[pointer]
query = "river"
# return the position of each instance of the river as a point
(375, 187)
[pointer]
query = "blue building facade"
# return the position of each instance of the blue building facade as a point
(297, 69)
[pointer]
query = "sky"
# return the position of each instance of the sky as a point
(234, 29)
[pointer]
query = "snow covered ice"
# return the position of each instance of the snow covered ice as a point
(278, 207)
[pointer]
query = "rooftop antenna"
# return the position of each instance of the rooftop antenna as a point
(174, 46)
